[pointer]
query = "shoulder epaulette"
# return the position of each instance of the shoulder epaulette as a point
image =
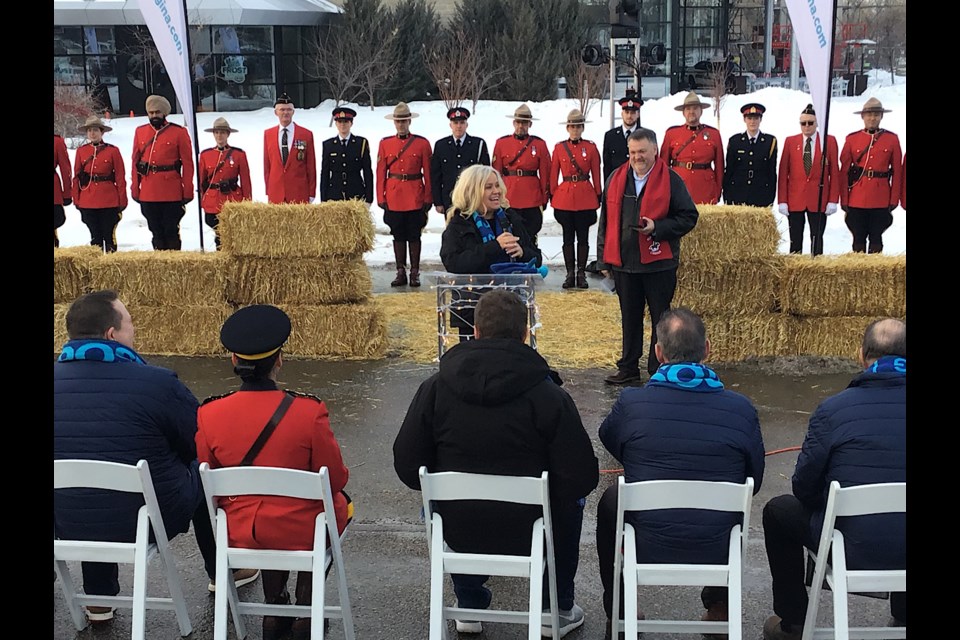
(300, 394)
(212, 398)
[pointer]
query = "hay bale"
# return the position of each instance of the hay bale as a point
(296, 230)
(738, 338)
(581, 329)
(337, 331)
(835, 336)
(71, 271)
(729, 287)
(305, 281)
(411, 325)
(59, 326)
(179, 330)
(853, 284)
(158, 278)
(728, 232)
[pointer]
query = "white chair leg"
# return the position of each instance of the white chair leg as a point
(139, 603)
(630, 613)
(841, 620)
(437, 623)
(813, 601)
(734, 589)
(176, 592)
(69, 589)
(226, 589)
(535, 614)
(318, 604)
(346, 612)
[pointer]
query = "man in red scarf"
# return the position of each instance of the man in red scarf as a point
(645, 210)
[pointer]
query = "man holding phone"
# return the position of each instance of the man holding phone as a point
(645, 210)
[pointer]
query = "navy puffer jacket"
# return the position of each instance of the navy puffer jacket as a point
(124, 412)
(668, 433)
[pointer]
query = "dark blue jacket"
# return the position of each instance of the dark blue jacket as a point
(124, 412)
(858, 436)
(667, 433)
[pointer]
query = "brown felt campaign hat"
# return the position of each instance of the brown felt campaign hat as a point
(692, 99)
(401, 112)
(575, 117)
(523, 113)
(93, 121)
(872, 106)
(220, 124)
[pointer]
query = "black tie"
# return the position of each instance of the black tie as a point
(284, 147)
(344, 142)
(807, 157)
(460, 143)
(752, 141)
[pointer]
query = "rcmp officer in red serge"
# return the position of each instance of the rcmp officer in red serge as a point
(453, 154)
(100, 187)
(289, 158)
(871, 170)
(575, 187)
(62, 187)
(615, 140)
(224, 175)
(524, 162)
(798, 185)
(750, 175)
(346, 171)
(293, 431)
(404, 191)
(162, 173)
(695, 152)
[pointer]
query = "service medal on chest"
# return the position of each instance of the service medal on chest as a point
(533, 152)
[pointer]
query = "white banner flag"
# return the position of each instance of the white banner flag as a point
(168, 27)
(812, 22)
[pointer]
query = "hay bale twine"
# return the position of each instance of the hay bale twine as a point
(158, 278)
(71, 271)
(853, 284)
(305, 281)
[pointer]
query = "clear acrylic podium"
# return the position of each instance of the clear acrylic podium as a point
(457, 296)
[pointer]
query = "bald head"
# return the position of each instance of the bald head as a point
(886, 337)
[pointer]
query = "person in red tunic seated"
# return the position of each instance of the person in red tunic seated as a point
(229, 425)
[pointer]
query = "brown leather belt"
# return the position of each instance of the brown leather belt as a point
(870, 173)
(520, 173)
(691, 165)
(403, 177)
(575, 178)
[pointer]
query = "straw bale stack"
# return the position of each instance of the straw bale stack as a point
(160, 278)
(71, 271)
(737, 338)
(305, 281)
(833, 336)
(411, 324)
(179, 330)
(728, 232)
(337, 331)
(59, 326)
(710, 286)
(853, 284)
(580, 330)
(296, 230)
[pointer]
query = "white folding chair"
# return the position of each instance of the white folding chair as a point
(94, 474)
(451, 485)
(274, 481)
(860, 500)
(680, 494)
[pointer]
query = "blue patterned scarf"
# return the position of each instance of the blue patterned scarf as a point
(99, 350)
(889, 364)
(488, 233)
(689, 376)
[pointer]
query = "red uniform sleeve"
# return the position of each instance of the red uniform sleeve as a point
(555, 170)
(63, 163)
(783, 194)
(188, 169)
(381, 177)
(311, 168)
(204, 451)
(326, 452)
(718, 164)
(77, 162)
(846, 157)
(246, 189)
(266, 158)
(545, 173)
(838, 184)
(896, 168)
(595, 170)
(903, 184)
(120, 180)
(134, 158)
(497, 163)
(427, 184)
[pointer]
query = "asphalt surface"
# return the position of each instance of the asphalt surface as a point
(385, 548)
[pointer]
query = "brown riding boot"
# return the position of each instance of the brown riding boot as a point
(583, 252)
(400, 255)
(275, 592)
(569, 282)
(415, 264)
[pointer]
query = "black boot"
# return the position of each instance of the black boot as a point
(415, 264)
(583, 251)
(275, 592)
(569, 282)
(301, 626)
(400, 255)
(859, 247)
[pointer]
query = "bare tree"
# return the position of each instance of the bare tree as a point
(587, 85)
(462, 71)
(719, 82)
(72, 104)
(379, 66)
(338, 63)
(890, 33)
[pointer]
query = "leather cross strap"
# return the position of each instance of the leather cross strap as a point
(404, 148)
(267, 430)
(520, 153)
(580, 175)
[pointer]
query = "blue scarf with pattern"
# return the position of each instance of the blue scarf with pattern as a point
(99, 350)
(488, 233)
(689, 376)
(889, 364)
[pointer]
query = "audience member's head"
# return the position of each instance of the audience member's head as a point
(254, 335)
(100, 314)
(500, 314)
(681, 337)
(471, 190)
(886, 337)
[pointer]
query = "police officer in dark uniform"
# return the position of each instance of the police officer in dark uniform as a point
(346, 170)
(453, 154)
(615, 140)
(750, 175)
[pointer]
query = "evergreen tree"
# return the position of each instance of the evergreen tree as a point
(416, 26)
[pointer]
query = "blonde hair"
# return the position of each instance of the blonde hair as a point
(467, 195)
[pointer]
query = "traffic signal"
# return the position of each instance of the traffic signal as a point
(593, 55)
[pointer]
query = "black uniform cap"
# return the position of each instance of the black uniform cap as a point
(458, 113)
(344, 113)
(753, 109)
(283, 99)
(808, 110)
(255, 332)
(630, 102)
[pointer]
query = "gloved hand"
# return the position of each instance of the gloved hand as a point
(783, 209)
(67, 202)
(186, 201)
(311, 199)
(831, 208)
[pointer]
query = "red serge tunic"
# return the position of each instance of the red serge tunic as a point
(796, 189)
(107, 187)
(683, 149)
(227, 427)
(527, 176)
(403, 173)
(296, 180)
(62, 180)
(166, 147)
(882, 164)
(228, 167)
(578, 194)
